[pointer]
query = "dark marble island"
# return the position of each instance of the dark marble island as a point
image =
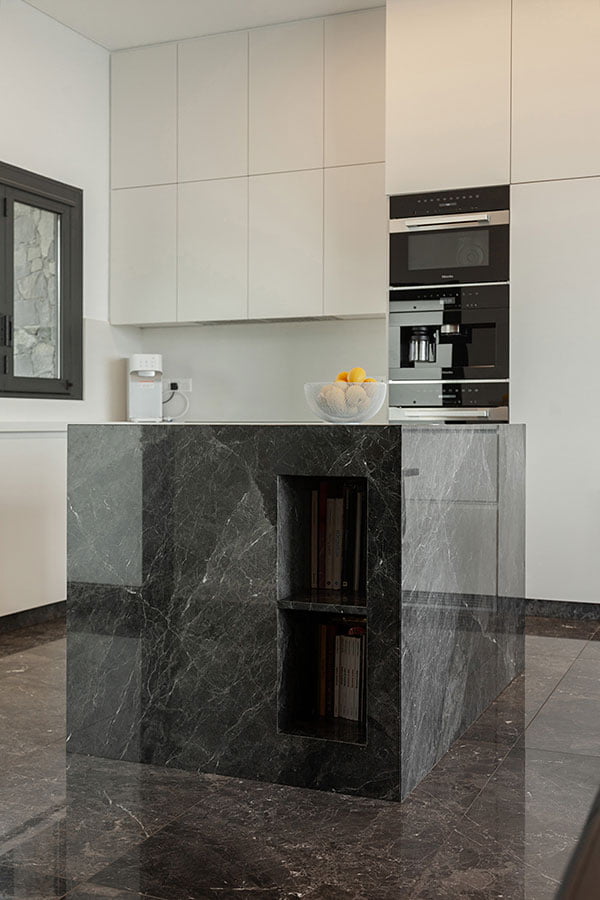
(196, 633)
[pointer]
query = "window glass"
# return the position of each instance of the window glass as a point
(36, 352)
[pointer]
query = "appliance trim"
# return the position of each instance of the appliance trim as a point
(449, 222)
(441, 286)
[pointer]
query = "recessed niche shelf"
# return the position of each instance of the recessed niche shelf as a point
(310, 665)
(330, 730)
(325, 601)
(322, 607)
(321, 538)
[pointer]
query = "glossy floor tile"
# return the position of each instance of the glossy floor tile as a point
(498, 816)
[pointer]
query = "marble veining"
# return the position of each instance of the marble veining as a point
(462, 552)
(181, 597)
(494, 818)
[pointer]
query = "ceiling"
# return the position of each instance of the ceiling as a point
(116, 24)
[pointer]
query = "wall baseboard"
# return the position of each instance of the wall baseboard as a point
(561, 609)
(37, 616)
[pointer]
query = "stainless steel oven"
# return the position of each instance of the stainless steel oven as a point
(449, 305)
(450, 237)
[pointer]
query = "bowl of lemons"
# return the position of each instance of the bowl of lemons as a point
(351, 399)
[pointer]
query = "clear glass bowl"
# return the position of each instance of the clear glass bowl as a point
(345, 404)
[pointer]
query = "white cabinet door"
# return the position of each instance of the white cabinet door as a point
(213, 107)
(143, 260)
(556, 102)
(447, 94)
(555, 322)
(286, 245)
(144, 116)
(286, 97)
(34, 521)
(355, 88)
(355, 241)
(213, 250)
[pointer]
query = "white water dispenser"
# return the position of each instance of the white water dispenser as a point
(144, 388)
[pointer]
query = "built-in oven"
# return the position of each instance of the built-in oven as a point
(450, 237)
(449, 305)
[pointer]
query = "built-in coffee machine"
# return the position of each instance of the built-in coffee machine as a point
(449, 305)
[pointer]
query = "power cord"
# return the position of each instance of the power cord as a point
(186, 406)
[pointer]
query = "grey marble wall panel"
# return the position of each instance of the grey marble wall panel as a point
(461, 539)
(455, 462)
(461, 643)
(105, 505)
(511, 511)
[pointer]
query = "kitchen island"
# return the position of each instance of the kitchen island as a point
(199, 632)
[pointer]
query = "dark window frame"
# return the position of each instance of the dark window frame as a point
(19, 185)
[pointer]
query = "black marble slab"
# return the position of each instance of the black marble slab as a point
(188, 614)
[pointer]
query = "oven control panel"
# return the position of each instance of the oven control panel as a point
(439, 203)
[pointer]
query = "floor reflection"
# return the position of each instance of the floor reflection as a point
(497, 817)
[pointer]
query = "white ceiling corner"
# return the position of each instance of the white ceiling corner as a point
(117, 24)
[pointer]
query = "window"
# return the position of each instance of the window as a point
(40, 286)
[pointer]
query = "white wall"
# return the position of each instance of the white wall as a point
(54, 102)
(54, 110)
(54, 113)
(255, 372)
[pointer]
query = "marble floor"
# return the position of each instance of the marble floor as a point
(497, 818)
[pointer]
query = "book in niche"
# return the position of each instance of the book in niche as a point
(314, 539)
(337, 537)
(321, 537)
(358, 542)
(329, 542)
(349, 500)
(345, 672)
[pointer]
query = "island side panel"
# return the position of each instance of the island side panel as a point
(461, 644)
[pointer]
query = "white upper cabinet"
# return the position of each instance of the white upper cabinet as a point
(355, 241)
(213, 107)
(447, 94)
(143, 257)
(213, 250)
(286, 97)
(556, 101)
(286, 245)
(144, 116)
(355, 88)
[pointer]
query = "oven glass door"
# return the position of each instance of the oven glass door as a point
(438, 255)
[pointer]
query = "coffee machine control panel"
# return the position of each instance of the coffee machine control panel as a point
(481, 296)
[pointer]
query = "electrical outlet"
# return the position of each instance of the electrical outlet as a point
(180, 384)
